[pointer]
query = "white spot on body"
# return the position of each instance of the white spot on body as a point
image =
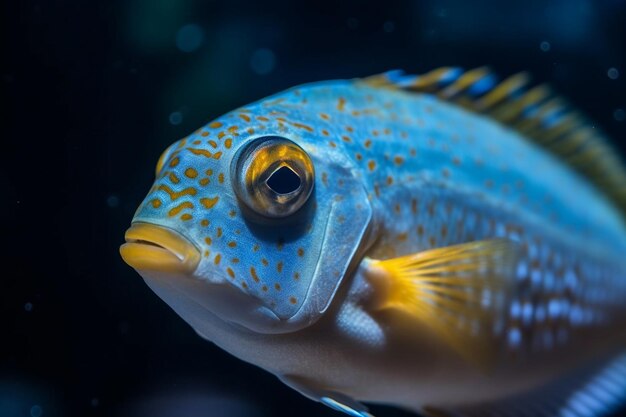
(514, 337)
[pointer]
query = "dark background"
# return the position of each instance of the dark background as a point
(93, 91)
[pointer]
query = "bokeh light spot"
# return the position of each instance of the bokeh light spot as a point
(263, 61)
(189, 38)
(28, 307)
(613, 73)
(619, 115)
(36, 411)
(176, 118)
(389, 26)
(113, 201)
(545, 46)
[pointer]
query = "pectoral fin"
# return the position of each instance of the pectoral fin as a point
(335, 400)
(457, 291)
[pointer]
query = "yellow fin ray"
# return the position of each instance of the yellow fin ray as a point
(456, 291)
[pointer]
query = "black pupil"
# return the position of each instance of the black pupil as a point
(284, 181)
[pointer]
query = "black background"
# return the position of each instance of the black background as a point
(88, 90)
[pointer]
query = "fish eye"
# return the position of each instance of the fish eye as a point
(272, 176)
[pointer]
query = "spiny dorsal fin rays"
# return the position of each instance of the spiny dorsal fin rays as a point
(457, 291)
(546, 116)
(463, 83)
(535, 112)
(515, 109)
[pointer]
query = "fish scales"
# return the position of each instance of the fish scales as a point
(381, 245)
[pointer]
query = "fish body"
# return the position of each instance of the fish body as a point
(367, 243)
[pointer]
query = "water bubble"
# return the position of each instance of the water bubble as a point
(113, 201)
(189, 38)
(545, 46)
(176, 118)
(36, 411)
(619, 115)
(353, 23)
(613, 73)
(94, 402)
(28, 307)
(389, 26)
(263, 61)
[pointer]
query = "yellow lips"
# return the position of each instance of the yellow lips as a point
(151, 247)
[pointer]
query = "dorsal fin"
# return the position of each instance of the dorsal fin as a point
(534, 111)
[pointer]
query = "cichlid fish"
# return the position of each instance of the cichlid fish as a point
(445, 243)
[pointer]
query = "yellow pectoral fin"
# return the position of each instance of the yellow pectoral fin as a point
(458, 291)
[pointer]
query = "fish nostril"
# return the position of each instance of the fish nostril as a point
(284, 181)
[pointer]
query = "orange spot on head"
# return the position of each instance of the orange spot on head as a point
(228, 143)
(293, 300)
(185, 217)
(300, 251)
(398, 160)
(220, 178)
(303, 126)
(219, 232)
(191, 173)
(296, 276)
(279, 267)
(245, 117)
(209, 202)
(230, 272)
(255, 277)
(173, 212)
(367, 143)
(173, 178)
(174, 162)
(325, 132)
(213, 143)
(324, 116)
(255, 248)
(156, 203)
(208, 240)
(204, 181)
(217, 259)
(201, 152)
(204, 134)
(371, 165)
(204, 222)
(341, 104)
(277, 286)
(215, 125)
(346, 138)
(232, 244)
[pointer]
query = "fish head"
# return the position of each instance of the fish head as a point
(257, 221)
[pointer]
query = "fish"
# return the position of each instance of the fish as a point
(450, 243)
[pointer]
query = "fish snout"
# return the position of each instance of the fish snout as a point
(150, 247)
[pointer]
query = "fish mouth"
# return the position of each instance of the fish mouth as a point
(150, 247)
